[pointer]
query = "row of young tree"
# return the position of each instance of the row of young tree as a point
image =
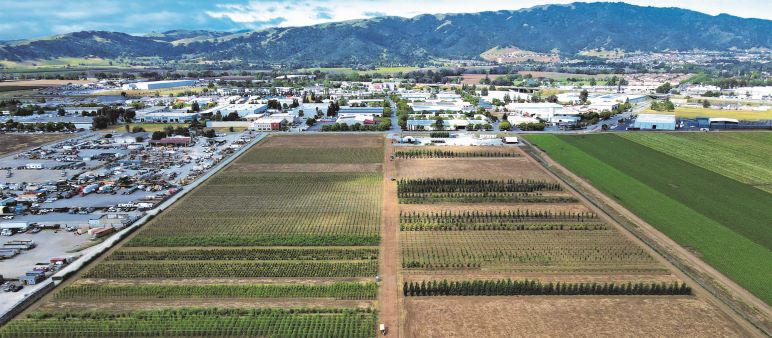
(437, 153)
(495, 216)
(450, 185)
(532, 287)
(581, 226)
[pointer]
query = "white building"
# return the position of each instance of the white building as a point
(542, 110)
(655, 122)
(158, 84)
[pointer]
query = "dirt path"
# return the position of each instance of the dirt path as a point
(388, 293)
(762, 311)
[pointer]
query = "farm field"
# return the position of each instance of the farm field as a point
(14, 142)
(690, 113)
(258, 252)
(740, 156)
(512, 230)
(724, 220)
(555, 316)
(470, 168)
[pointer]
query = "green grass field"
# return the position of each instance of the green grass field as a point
(740, 156)
(725, 221)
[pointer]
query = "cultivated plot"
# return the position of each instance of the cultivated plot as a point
(254, 251)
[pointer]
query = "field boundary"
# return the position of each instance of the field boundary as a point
(748, 309)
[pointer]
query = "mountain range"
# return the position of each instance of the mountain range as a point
(567, 29)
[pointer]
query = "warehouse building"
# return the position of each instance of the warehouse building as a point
(158, 84)
(655, 122)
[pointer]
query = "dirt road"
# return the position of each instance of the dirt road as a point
(388, 292)
(761, 311)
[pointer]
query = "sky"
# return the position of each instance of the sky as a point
(23, 19)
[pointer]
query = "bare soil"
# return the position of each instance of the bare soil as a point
(579, 316)
(15, 142)
(470, 168)
(306, 167)
(326, 141)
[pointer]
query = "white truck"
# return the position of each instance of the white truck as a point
(9, 228)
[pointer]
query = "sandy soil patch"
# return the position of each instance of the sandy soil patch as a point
(580, 316)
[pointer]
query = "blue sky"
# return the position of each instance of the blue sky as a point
(38, 18)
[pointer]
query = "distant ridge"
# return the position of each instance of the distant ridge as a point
(567, 28)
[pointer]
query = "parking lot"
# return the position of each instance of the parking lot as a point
(49, 244)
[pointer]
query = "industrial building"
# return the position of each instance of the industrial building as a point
(158, 84)
(655, 122)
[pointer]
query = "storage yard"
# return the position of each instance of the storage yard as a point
(476, 235)
(299, 240)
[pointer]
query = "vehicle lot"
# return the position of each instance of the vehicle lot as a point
(50, 244)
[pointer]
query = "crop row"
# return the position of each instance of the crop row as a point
(523, 250)
(529, 287)
(437, 153)
(314, 155)
(248, 253)
(483, 197)
(495, 216)
(254, 240)
(193, 269)
(340, 290)
(253, 204)
(198, 323)
(420, 226)
(462, 185)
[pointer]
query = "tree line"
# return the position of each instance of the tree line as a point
(509, 287)
(450, 185)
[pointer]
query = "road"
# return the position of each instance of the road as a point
(388, 292)
(395, 128)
